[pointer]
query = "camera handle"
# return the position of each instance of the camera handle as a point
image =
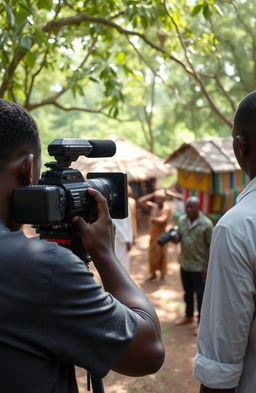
(67, 238)
(96, 383)
(78, 249)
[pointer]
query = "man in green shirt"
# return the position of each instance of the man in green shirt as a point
(195, 232)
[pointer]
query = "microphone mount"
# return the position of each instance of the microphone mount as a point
(67, 150)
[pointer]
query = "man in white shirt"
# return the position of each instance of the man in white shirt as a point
(226, 357)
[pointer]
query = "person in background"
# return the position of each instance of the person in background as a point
(194, 234)
(175, 192)
(226, 353)
(155, 202)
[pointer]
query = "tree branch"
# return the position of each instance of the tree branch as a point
(195, 74)
(78, 108)
(144, 131)
(66, 109)
(83, 17)
(167, 84)
(79, 18)
(225, 93)
(33, 77)
(252, 35)
(17, 57)
(63, 90)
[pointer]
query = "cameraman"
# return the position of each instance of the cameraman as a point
(195, 232)
(53, 315)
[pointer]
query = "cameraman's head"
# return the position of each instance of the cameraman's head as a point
(192, 208)
(20, 154)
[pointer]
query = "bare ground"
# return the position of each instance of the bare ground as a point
(175, 376)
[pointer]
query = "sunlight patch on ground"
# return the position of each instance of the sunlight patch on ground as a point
(165, 294)
(117, 388)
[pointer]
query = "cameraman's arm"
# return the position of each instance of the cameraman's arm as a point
(145, 354)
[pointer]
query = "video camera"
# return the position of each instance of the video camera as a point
(62, 193)
(168, 236)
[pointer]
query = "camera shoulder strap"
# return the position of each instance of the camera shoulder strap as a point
(95, 383)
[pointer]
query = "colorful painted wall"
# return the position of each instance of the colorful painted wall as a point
(217, 192)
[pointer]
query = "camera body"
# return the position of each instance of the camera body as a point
(168, 236)
(62, 193)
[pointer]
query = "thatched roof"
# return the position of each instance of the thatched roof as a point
(209, 155)
(139, 163)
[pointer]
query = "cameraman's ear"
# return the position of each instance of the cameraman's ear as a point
(26, 170)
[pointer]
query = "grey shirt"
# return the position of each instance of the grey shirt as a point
(53, 315)
(226, 354)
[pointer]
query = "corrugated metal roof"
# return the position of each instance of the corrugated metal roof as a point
(207, 155)
(139, 163)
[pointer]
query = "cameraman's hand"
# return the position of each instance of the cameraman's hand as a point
(98, 237)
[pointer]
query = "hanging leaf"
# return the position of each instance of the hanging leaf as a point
(207, 12)
(197, 9)
(217, 9)
(120, 58)
(20, 94)
(30, 59)
(45, 4)
(41, 39)
(10, 16)
(25, 43)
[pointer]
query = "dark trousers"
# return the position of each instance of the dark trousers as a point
(192, 283)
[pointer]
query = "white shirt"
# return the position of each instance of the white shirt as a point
(226, 355)
(123, 236)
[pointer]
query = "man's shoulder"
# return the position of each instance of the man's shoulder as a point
(182, 218)
(239, 221)
(237, 214)
(40, 261)
(205, 220)
(15, 245)
(182, 222)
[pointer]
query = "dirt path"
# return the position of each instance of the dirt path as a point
(176, 374)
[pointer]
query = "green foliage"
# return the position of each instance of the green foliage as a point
(174, 68)
(207, 8)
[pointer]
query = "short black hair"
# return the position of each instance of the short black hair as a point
(17, 129)
(194, 199)
(245, 117)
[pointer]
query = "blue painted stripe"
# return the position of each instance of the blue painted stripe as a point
(231, 180)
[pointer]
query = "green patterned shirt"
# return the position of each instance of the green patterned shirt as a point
(195, 242)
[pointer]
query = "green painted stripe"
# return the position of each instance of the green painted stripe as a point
(244, 179)
(224, 200)
(216, 183)
(235, 193)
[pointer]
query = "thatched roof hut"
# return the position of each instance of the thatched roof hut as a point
(207, 155)
(209, 169)
(141, 165)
